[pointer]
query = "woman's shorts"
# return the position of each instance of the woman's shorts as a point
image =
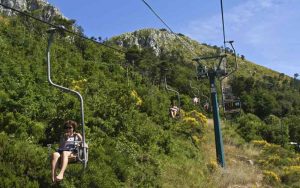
(73, 150)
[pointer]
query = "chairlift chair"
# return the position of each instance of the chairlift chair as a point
(177, 93)
(82, 148)
(196, 98)
(232, 106)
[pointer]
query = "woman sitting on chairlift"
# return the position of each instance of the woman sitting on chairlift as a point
(173, 110)
(195, 100)
(66, 150)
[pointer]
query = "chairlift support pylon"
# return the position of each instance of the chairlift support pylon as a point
(220, 72)
(83, 147)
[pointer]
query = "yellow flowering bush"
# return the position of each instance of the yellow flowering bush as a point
(263, 162)
(194, 123)
(196, 139)
(198, 116)
(271, 177)
(78, 85)
(274, 159)
(190, 121)
(212, 166)
(292, 169)
(291, 175)
(260, 143)
(136, 97)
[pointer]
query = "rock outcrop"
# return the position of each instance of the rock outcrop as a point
(47, 11)
(157, 40)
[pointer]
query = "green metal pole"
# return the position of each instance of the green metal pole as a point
(217, 125)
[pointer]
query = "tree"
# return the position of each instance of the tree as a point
(275, 131)
(294, 129)
(133, 54)
(249, 127)
(264, 103)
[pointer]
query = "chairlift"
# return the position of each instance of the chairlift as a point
(195, 99)
(232, 106)
(229, 102)
(206, 103)
(174, 108)
(82, 148)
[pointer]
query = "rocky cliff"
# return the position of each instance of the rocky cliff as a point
(47, 11)
(157, 40)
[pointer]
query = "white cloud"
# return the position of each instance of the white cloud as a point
(264, 29)
(236, 19)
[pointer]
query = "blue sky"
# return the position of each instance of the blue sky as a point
(266, 32)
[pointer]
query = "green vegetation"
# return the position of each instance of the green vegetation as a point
(132, 140)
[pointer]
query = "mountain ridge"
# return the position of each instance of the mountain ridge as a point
(160, 40)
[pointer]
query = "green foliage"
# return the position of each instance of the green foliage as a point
(129, 133)
(263, 97)
(275, 131)
(294, 129)
(249, 127)
(22, 163)
(279, 165)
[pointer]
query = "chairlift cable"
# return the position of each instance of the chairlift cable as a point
(176, 35)
(59, 27)
(223, 26)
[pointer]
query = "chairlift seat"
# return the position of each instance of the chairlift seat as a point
(232, 106)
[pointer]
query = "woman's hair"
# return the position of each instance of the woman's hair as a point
(72, 123)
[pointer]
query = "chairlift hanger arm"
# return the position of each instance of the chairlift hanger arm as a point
(234, 52)
(207, 98)
(198, 92)
(170, 89)
(235, 60)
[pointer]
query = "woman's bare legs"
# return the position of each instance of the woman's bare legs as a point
(55, 157)
(64, 164)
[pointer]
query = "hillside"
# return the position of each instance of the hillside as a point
(133, 142)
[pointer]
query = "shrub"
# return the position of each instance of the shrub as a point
(291, 175)
(271, 177)
(212, 166)
(249, 127)
(260, 143)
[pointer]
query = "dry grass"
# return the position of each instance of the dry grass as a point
(239, 171)
(204, 172)
(238, 175)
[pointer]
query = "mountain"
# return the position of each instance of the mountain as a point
(158, 40)
(48, 12)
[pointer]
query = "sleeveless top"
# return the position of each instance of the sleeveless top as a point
(69, 144)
